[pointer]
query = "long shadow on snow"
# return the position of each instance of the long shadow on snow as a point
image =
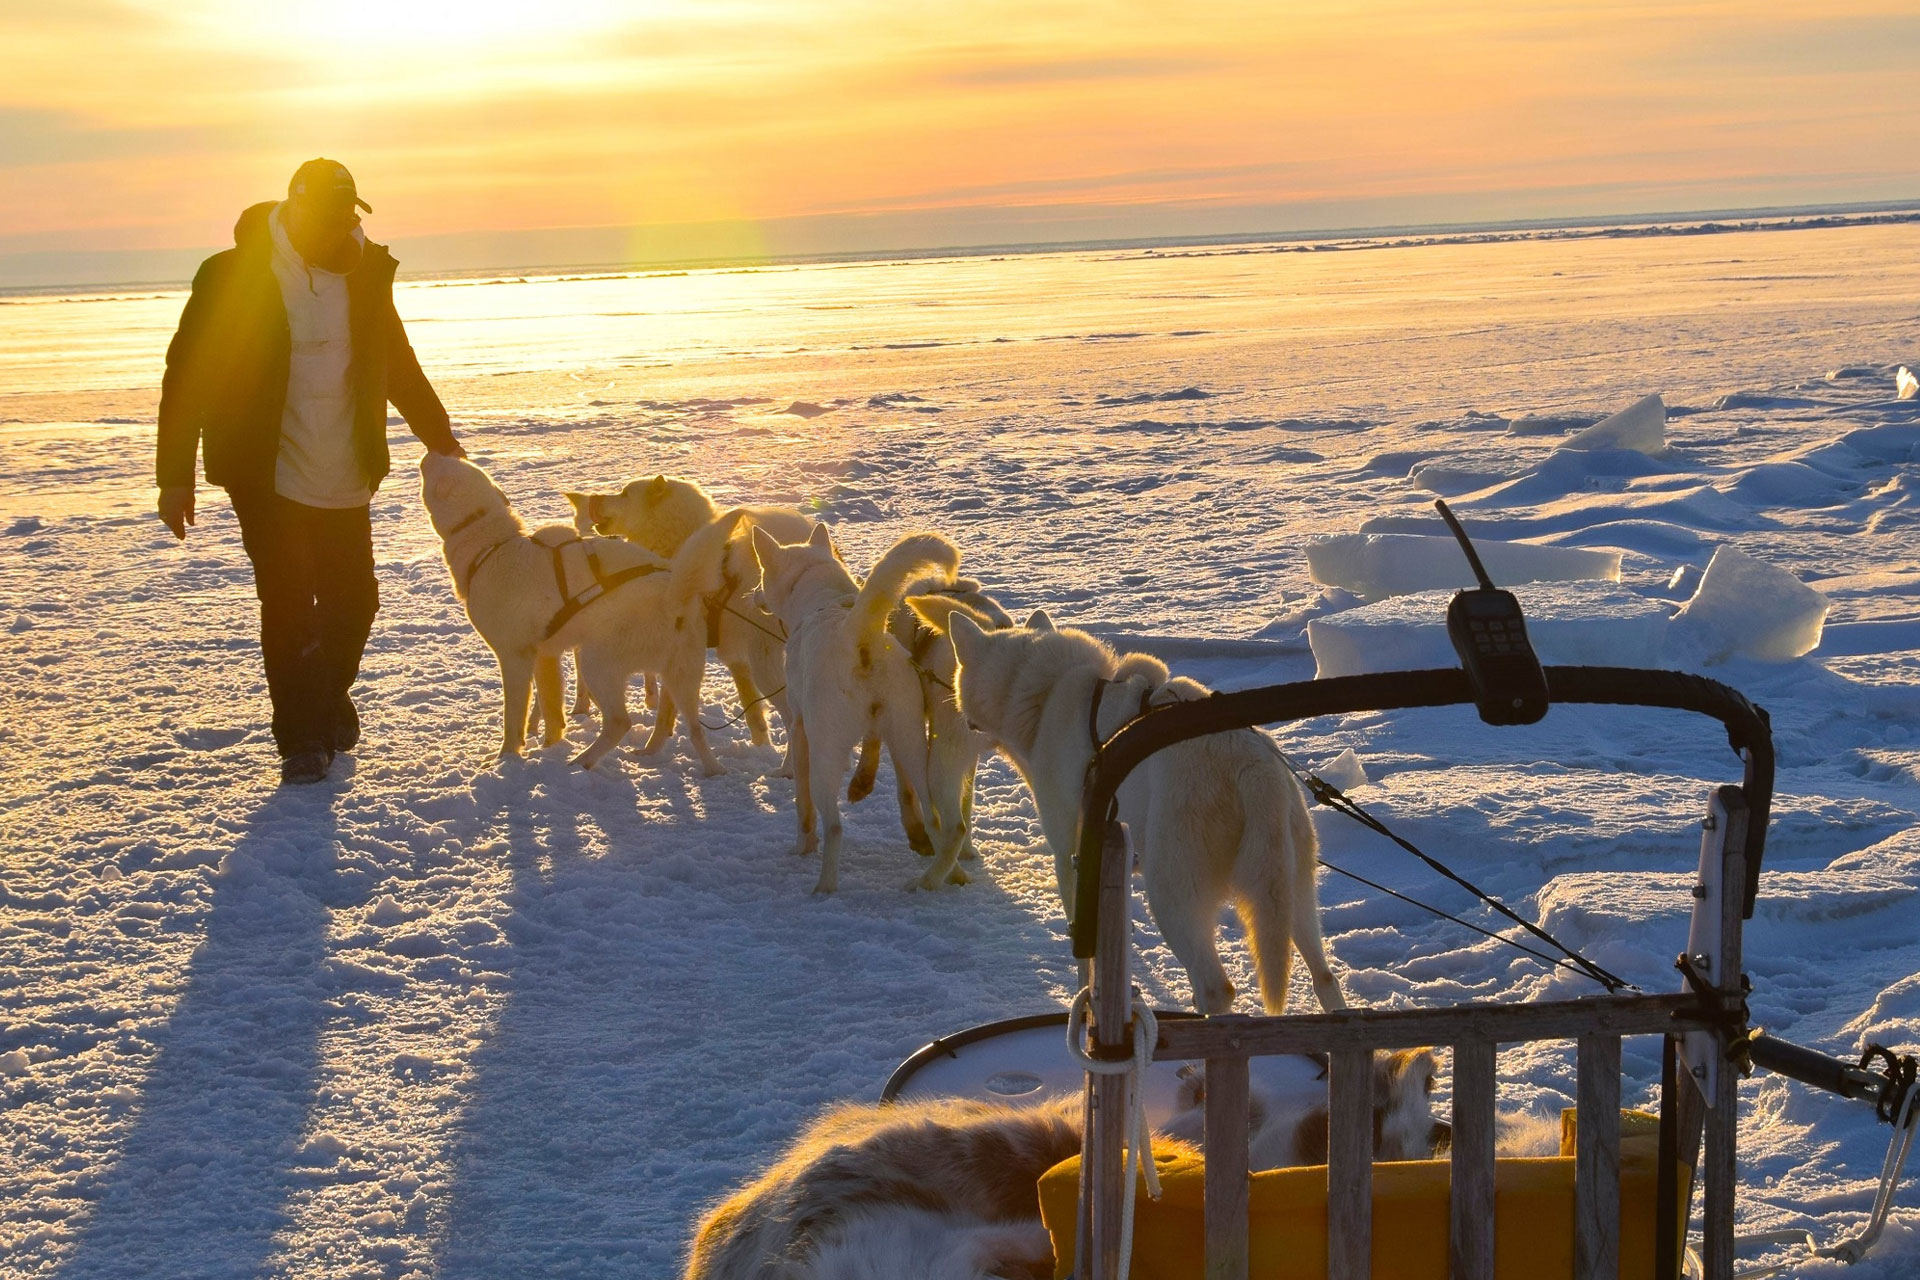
(681, 1005)
(202, 1184)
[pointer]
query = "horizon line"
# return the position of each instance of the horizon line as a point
(1398, 235)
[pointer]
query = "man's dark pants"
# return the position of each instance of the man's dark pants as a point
(313, 572)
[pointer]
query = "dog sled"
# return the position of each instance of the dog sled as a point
(1616, 1203)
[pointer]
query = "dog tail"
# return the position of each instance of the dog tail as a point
(912, 557)
(698, 564)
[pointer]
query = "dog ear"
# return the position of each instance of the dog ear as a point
(821, 539)
(657, 488)
(932, 610)
(967, 636)
(1413, 1067)
(578, 501)
(1038, 620)
(766, 548)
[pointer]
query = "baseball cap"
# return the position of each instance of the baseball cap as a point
(322, 178)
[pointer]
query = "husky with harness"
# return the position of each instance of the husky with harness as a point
(661, 514)
(624, 609)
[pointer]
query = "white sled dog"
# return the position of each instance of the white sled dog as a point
(622, 607)
(849, 680)
(1281, 1135)
(948, 1189)
(662, 513)
(1213, 819)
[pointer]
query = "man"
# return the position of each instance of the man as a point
(287, 355)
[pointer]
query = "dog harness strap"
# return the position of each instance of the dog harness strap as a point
(717, 605)
(482, 557)
(594, 590)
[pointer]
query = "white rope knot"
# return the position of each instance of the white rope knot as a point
(1146, 1034)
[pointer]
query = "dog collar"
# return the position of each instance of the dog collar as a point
(467, 521)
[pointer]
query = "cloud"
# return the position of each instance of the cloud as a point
(48, 137)
(1078, 70)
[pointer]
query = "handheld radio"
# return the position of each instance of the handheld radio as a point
(1490, 635)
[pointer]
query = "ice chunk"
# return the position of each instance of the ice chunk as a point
(1374, 566)
(1344, 771)
(1641, 426)
(1905, 385)
(1748, 608)
(1570, 623)
(1449, 481)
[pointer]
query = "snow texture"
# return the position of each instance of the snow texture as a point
(443, 1017)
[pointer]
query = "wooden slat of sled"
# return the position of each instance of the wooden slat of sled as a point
(1471, 1241)
(1350, 1164)
(1187, 1039)
(1226, 1143)
(1596, 1176)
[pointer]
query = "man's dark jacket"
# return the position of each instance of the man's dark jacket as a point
(226, 379)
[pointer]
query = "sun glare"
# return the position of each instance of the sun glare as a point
(416, 28)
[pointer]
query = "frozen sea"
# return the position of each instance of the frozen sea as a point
(441, 1017)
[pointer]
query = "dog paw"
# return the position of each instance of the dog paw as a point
(714, 770)
(825, 885)
(957, 876)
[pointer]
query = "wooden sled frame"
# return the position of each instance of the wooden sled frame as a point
(1699, 1026)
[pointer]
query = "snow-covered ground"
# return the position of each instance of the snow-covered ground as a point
(442, 1017)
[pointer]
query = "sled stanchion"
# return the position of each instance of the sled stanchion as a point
(1226, 1176)
(1721, 1157)
(1107, 1113)
(1667, 1221)
(1471, 1187)
(1350, 1164)
(1596, 1161)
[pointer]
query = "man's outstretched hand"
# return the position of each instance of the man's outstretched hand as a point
(176, 509)
(453, 449)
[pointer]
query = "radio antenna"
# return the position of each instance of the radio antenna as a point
(1460, 535)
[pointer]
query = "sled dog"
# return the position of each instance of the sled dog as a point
(1280, 1136)
(1213, 819)
(848, 680)
(622, 607)
(662, 513)
(953, 748)
(948, 1188)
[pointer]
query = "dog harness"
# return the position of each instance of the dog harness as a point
(602, 583)
(574, 602)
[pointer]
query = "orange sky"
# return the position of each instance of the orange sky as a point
(149, 123)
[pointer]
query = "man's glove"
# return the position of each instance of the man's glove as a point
(176, 509)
